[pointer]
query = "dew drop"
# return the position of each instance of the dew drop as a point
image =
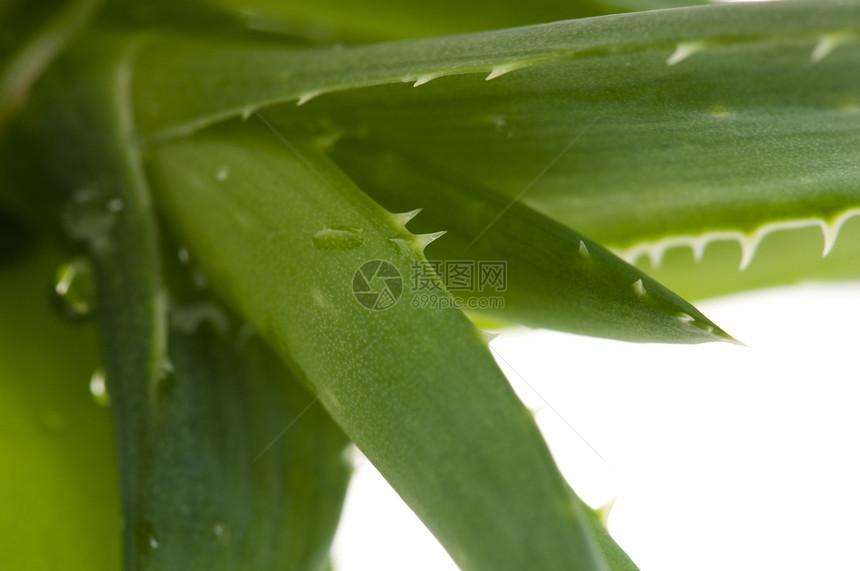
(90, 217)
(503, 127)
(339, 238)
(98, 388)
(222, 173)
(320, 298)
(719, 111)
(182, 254)
(222, 533)
(74, 286)
(145, 536)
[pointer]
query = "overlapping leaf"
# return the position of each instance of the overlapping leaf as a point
(703, 123)
(553, 277)
(696, 127)
(191, 408)
(319, 268)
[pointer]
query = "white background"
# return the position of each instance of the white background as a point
(718, 456)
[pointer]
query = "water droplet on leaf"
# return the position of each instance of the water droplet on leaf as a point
(90, 217)
(98, 388)
(503, 127)
(222, 533)
(145, 536)
(74, 285)
(339, 238)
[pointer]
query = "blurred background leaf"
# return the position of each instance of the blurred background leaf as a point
(192, 404)
(337, 20)
(58, 485)
(32, 34)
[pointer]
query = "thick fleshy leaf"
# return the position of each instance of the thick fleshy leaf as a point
(675, 158)
(318, 268)
(192, 405)
(739, 162)
(709, 123)
(782, 257)
(553, 277)
(183, 84)
(220, 497)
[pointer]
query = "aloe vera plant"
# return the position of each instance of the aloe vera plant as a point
(275, 231)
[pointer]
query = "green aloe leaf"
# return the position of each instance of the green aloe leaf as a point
(210, 83)
(193, 404)
(220, 496)
(656, 134)
(744, 143)
(705, 123)
(554, 277)
(737, 144)
(318, 269)
(783, 256)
